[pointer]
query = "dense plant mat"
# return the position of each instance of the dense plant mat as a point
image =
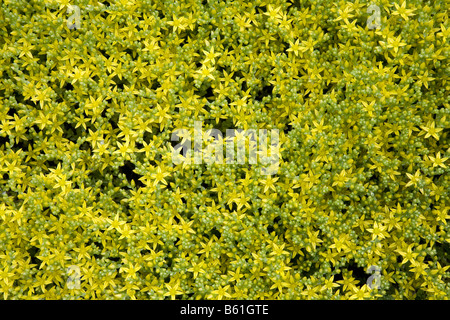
(93, 207)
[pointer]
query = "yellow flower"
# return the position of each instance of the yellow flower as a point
(438, 161)
(205, 72)
(174, 289)
(220, 293)
(431, 131)
(402, 11)
(115, 224)
(378, 231)
(210, 56)
(348, 282)
(177, 23)
(413, 179)
(407, 254)
(340, 179)
(360, 293)
(159, 176)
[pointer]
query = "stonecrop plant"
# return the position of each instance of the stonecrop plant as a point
(93, 207)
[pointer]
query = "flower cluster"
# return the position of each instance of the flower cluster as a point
(86, 172)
